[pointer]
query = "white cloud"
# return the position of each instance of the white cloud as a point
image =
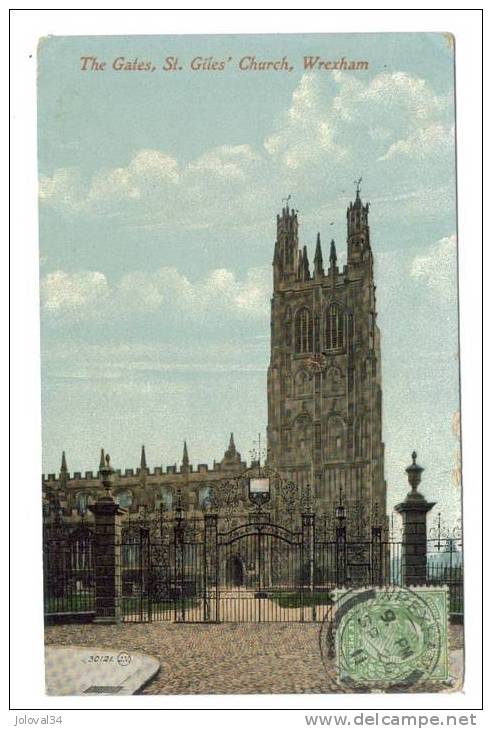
(336, 125)
(393, 109)
(226, 161)
(307, 129)
(64, 188)
(70, 292)
(436, 140)
(437, 268)
(219, 295)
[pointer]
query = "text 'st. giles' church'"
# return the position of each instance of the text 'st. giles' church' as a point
(324, 378)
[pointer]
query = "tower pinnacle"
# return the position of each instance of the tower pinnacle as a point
(333, 255)
(185, 460)
(318, 259)
(102, 462)
(305, 272)
(143, 459)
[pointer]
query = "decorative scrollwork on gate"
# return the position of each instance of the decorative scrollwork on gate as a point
(227, 498)
(326, 527)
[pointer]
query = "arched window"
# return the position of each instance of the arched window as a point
(165, 497)
(334, 378)
(124, 499)
(304, 331)
(303, 433)
(336, 438)
(82, 502)
(335, 329)
(302, 383)
(205, 496)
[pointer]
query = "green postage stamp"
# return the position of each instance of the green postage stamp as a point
(391, 635)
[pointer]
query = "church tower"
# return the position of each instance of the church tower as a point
(324, 377)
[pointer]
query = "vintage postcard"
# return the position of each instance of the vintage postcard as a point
(250, 367)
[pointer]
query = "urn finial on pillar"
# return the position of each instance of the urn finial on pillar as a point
(414, 473)
(414, 517)
(106, 472)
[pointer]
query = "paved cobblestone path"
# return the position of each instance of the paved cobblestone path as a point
(258, 658)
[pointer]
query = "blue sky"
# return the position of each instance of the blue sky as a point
(158, 199)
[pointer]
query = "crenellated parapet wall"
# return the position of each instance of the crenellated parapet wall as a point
(129, 475)
(140, 488)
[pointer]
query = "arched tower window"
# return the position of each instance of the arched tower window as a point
(302, 383)
(304, 331)
(303, 433)
(336, 440)
(335, 329)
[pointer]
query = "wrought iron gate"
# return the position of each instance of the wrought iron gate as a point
(188, 571)
(262, 574)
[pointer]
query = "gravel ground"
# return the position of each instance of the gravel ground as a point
(245, 658)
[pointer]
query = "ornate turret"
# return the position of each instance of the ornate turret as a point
(285, 256)
(318, 259)
(357, 228)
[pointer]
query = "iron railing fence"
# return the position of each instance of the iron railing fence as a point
(445, 567)
(262, 573)
(68, 569)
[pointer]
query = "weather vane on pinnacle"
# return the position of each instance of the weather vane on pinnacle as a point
(286, 199)
(357, 184)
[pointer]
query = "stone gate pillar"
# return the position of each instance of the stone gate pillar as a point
(211, 570)
(107, 554)
(414, 541)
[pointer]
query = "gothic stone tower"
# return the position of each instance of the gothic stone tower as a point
(324, 378)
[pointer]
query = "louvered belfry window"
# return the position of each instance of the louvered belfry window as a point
(304, 331)
(334, 327)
